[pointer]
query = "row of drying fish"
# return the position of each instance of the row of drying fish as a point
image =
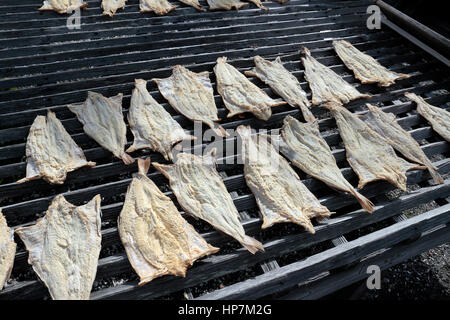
(159, 7)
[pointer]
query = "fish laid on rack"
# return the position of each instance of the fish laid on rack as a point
(303, 145)
(152, 126)
(201, 192)
(102, 120)
(280, 194)
(157, 240)
(159, 7)
(193, 3)
(325, 84)
(7, 251)
(385, 124)
(367, 152)
(191, 94)
(240, 95)
(283, 83)
(437, 117)
(365, 67)
(64, 247)
(63, 6)
(225, 4)
(51, 152)
(111, 6)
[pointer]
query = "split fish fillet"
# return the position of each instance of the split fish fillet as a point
(437, 117)
(64, 247)
(63, 6)
(7, 251)
(325, 84)
(225, 4)
(51, 152)
(385, 124)
(191, 94)
(303, 145)
(280, 194)
(193, 3)
(239, 94)
(366, 68)
(283, 83)
(110, 6)
(157, 239)
(159, 7)
(152, 126)
(102, 120)
(367, 152)
(201, 193)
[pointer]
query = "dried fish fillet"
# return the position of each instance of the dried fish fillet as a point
(51, 152)
(193, 3)
(365, 68)
(283, 83)
(159, 7)
(7, 251)
(325, 84)
(64, 247)
(157, 239)
(385, 124)
(102, 120)
(110, 6)
(63, 6)
(225, 4)
(152, 126)
(239, 94)
(191, 94)
(303, 145)
(437, 117)
(280, 194)
(367, 152)
(201, 193)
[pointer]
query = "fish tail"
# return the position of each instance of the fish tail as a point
(437, 178)
(251, 244)
(363, 201)
(143, 165)
(127, 159)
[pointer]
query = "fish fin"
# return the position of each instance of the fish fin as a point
(251, 244)
(365, 203)
(165, 169)
(126, 158)
(250, 73)
(437, 178)
(143, 165)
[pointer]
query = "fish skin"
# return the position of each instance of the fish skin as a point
(367, 152)
(193, 3)
(283, 83)
(304, 146)
(111, 6)
(152, 126)
(225, 4)
(240, 95)
(437, 117)
(200, 191)
(192, 95)
(366, 68)
(64, 247)
(102, 120)
(7, 251)
(325, 84)
(159, 7)
(157, 240)
(63, 6)
(51, 152)
(280, 194)
(385, 124)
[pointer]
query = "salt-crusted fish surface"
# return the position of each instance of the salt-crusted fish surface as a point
(239, 94)
(152, 126)
(283, 83)
(325, 84)
(51, 152)
(159, 7)
(280, 194)
(157, 240)
(102, 120)
(370, 156)
(111, 6)
(437, 117)
(63, 6)
(200, 191)
(365, 67)
(225, 4)
(193, 3)
(191, 94)
(7, 251)
(385, 124)
(64, 247)
(303, 145)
